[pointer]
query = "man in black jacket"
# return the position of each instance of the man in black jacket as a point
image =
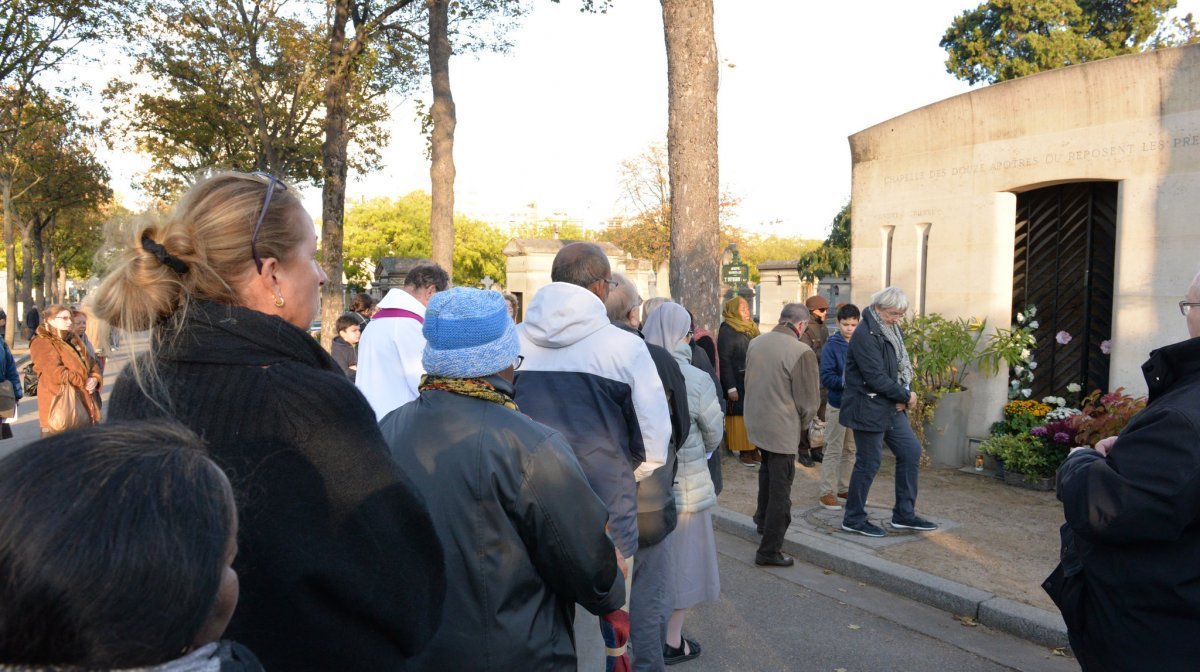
(522, 531)
(650, 602)
(1129, 582)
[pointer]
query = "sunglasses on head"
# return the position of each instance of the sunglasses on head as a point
(272, 181)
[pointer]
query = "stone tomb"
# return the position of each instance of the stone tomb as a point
(1075, 189)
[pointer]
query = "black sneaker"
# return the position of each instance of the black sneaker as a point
(804, 459)
(866, 529)
(914, 523)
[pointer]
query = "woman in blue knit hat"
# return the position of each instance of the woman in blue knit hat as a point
(522, 531)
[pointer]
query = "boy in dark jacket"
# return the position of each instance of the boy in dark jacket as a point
(344, 346)
(835, 472)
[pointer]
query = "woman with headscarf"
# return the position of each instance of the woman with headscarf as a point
(695, 578)
(733, 338)
(340, 564)
(875, 403)
(61, 360)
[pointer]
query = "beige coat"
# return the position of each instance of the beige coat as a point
(783, 389)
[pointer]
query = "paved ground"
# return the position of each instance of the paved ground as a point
(809, 619)
(994, 537)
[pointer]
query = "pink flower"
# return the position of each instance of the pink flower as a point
(1106, 347)
(1062, 337)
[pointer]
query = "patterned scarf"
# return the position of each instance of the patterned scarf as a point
(732, 315)
(468, 387)
(892, 334)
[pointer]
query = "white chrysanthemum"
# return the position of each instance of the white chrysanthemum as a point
(1033, 324)
(1026, 392)
(1020, 319)
(1073, 388)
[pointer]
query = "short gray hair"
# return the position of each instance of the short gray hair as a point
(650, 304)
(795, 313)
(622, 299)
(580, 264)
(890, 298)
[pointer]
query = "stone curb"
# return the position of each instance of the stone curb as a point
(849, 559)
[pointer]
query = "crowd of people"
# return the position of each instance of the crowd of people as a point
(456, 485)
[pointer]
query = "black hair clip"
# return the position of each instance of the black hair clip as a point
(164, 258)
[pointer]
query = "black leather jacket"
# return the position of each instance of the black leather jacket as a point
(522, 532)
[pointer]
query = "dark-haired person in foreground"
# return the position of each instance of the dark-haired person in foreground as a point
(341, 566)
(116, 548)
(1129, 582)
(523, 534)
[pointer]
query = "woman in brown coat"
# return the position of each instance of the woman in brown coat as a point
(59, 358)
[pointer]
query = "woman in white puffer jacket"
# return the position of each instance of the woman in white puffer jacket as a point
(694, 575)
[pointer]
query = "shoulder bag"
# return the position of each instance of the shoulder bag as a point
(68, 410)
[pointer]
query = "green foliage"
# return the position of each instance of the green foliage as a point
(832, 257)
(240, 85)
(941, 350)
(385, 228)
(1005, 39)
(755, 249)
(1026, 454)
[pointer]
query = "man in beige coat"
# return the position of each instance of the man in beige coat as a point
(783, 392)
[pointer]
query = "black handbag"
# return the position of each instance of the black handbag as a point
(29, 380)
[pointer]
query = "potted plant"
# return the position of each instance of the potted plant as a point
(942, 350)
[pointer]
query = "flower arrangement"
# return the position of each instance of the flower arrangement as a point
(1013, 347)
(1105, 415)
(1035, 436)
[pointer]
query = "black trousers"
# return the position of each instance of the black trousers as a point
(774, 511)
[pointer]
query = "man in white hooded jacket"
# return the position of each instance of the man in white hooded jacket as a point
(596, 384)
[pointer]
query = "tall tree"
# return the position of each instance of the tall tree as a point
(444, 120)
(35, 36)
(236, 83)
(692, 156)
(1004, 39)
(355, 28)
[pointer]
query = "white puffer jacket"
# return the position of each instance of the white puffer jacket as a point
(693, 486)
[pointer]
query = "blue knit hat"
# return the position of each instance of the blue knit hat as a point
(468, 334)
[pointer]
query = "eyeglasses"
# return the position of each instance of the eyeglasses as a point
(64, 316)
(612, 284)
(271, 182)
(1186, 306)
(517, 362)
(689, 334)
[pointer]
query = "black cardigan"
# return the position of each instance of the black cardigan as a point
(339, 563)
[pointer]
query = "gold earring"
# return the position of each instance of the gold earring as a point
(278, 301)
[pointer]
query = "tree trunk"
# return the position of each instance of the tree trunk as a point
(441, 168)
(61, 286)
(10, 263)
(27, 260)
(692, 157)
(42, 232)
(333, 156)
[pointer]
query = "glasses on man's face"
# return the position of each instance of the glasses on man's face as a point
(517, 362)
(1185, 306)
(612, 284)
(272, 181)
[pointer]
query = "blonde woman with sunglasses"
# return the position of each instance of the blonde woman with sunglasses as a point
(339, 560)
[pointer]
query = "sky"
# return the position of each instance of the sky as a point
(542, 130)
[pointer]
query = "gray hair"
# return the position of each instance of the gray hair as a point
(580, 264)
(890, 298)
(795, 313)
(622, 299)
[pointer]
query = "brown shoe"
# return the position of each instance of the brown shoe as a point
(830, 502)
(843, 495)
(747, 458)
